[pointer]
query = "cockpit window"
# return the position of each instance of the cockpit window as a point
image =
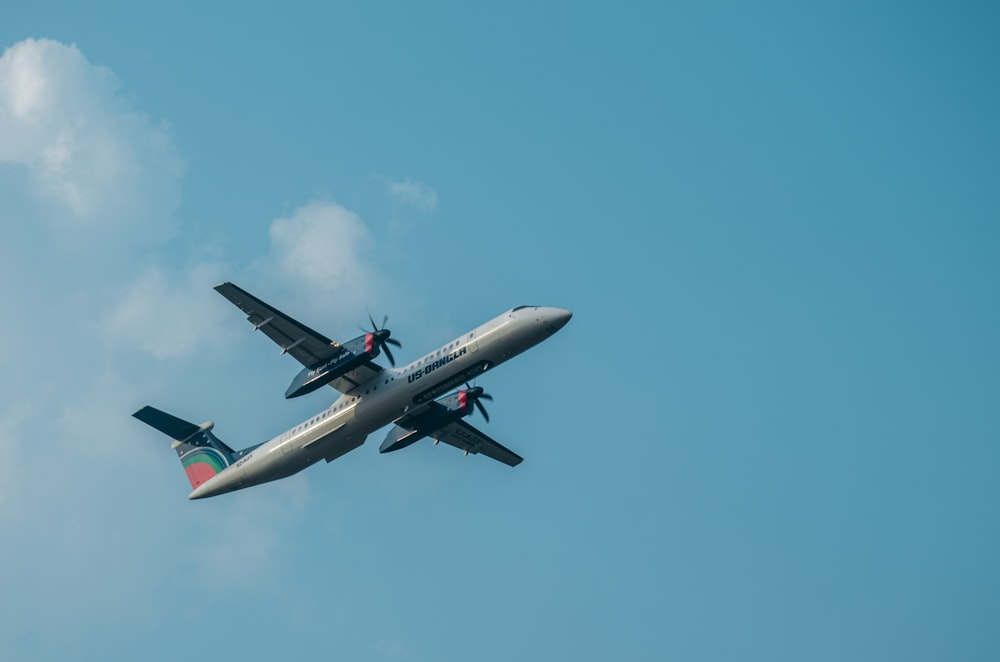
(517, 308)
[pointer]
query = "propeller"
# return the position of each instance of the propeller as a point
(383, 339)
(477, 394)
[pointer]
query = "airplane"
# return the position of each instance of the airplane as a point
(416, 398)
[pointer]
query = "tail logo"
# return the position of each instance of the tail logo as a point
(202, 463)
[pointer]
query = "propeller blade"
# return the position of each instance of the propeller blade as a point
(382, 337)
(486, 396)
(482, 410)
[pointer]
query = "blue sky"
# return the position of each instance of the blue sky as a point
(770, 432)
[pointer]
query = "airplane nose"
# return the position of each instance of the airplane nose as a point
(558, 317)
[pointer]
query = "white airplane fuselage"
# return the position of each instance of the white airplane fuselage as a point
(391, 394)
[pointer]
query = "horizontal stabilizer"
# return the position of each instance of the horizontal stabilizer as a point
(173, 427)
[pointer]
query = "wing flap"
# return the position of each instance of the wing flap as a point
(463, 436)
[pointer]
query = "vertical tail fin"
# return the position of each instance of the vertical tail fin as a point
(202, 454)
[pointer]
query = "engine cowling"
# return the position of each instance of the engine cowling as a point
(350, 356)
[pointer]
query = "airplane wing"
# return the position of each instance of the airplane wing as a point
(467, 438)
(308, 347)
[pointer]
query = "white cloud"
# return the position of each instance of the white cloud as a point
(95, 507)
(170, 315)
(91, 160)
(414, 194)
(325, 248)
(320, 253)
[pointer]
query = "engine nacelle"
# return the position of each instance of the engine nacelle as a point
(348, 357)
